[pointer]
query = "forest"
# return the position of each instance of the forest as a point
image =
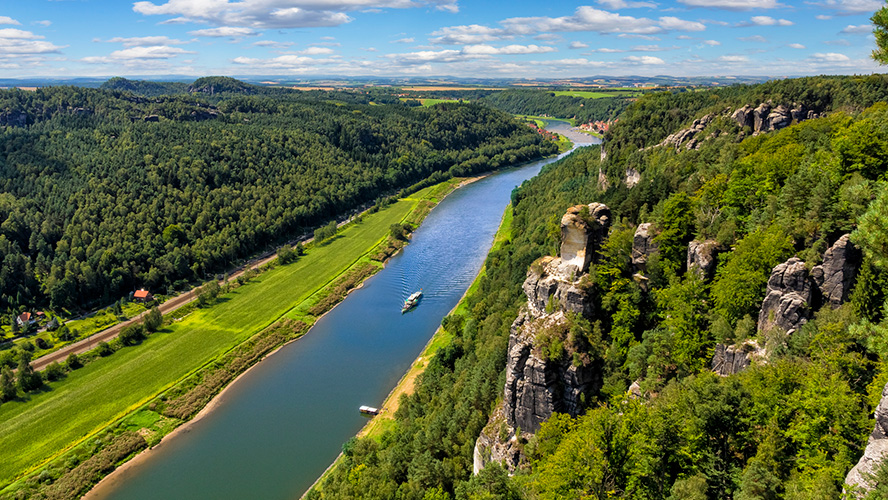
(789, 427)
(545, 103)
(105, 191)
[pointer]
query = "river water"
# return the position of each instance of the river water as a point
(279, 426)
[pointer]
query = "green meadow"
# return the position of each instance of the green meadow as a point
(46, 424)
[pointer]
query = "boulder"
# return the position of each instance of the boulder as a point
(786, 305)
(643, 244)
(583, 229)
(760, 117)
(779, 118)
(744, 117)
(702, 257)
(836, 275)
(875, 453)
(731, 359)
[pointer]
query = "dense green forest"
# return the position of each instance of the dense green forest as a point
(791, 427)
(544, 103)
(102, 191)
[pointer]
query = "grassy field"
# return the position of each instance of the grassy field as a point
(428, 102)
(593, 94)
(35, 430)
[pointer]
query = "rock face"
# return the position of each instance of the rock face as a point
(538, 381)
(702, 257)
(786, 306)
(836, 276)
(633, 177)
(13, 119)
(731, 359)
(583, 228)
(875, 453)
(643, 244)
(536, 386)
(744, 117)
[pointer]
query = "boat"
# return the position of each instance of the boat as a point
(411, 301)
(369, 410)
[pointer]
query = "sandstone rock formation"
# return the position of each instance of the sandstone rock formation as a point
(13, 119)
(875, 453)
(786, 305)
(643, 244)
(633, 177)
(583, 228)
(539, 381)
(731, 359)
(835, 276)
(702, 257)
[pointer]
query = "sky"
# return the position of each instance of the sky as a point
(541, 39)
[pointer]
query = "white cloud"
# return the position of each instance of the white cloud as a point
(733, 4)
(754, 39)
(832, 57)
(733, 59)
(579, 62)
(473, 33)
(857, 30)
(842, 42)
(584, 19)
(316, 51)
(9, 20)
(645, 60)
(404, 40)
(277, 13)
(288, 62)
(823, 17)
(507, 50)
(623, 4)
(43, 23)
(608, 51)
(766, 21)
(652, 48)
(273, 44)
(133, 55)
(676, 24)
(578, 45)
(639, 37)
(712, 43)
(796, 46)
(16, 42)
(854, 6)
(425, 56)
(224, 32)
(140, 41)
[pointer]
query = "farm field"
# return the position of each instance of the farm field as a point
(50, 422)
(592, 94)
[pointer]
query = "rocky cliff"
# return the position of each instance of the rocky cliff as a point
(543, 376)
(859, 479)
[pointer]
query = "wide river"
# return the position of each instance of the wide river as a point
(279, 426)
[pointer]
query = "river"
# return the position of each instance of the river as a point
(276, 429)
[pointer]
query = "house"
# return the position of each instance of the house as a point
(26, 318)
(142, 296)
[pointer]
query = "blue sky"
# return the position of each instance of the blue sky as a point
(516, 38)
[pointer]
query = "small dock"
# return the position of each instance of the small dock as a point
(369, 410)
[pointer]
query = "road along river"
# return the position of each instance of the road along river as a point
(276, 429)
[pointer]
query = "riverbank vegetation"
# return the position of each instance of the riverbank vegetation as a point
(789, 428)
(161, 381)
(102, 191)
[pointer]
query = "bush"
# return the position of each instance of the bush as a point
(103, 349)
(54, 371)
(153, 320)
(286, 255)
(73, 362)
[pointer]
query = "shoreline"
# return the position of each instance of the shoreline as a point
(120, 473)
